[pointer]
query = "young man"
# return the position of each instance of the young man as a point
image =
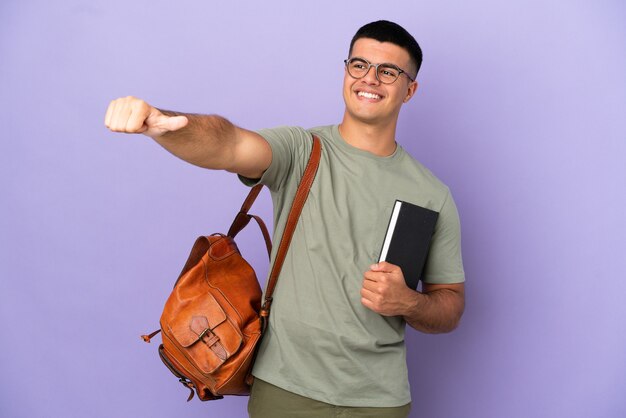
(335, 344)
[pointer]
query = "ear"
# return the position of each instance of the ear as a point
(410, 91)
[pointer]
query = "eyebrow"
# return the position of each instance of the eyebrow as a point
(389, 64)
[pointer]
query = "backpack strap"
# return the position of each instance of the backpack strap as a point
(290, 226)
(243, 218)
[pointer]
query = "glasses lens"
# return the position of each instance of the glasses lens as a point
(388, 74)
(357, 67)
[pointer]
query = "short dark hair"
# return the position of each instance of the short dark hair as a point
(385, 31)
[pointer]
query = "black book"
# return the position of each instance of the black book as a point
(408, 238)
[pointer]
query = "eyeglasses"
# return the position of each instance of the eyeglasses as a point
(385, 73)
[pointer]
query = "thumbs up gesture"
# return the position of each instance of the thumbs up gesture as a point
(135, 116)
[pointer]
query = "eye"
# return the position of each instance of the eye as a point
(358, 64)
(389, 72)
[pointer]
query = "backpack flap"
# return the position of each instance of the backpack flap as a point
(205, 333)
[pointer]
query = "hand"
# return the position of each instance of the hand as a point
(133, 115)
(384, 290)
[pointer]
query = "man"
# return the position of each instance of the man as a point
(335, 344)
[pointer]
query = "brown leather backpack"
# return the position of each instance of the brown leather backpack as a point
(213, 320)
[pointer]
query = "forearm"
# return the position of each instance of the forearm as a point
(438, 311)
(207, 140)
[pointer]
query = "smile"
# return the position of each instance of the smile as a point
(368, 95)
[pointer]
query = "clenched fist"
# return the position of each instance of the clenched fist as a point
(135, 116)
(384, 290)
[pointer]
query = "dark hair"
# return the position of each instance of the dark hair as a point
(385, 31)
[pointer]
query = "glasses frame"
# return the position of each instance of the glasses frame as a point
(370, 65)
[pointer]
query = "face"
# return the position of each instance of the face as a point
(367, 99)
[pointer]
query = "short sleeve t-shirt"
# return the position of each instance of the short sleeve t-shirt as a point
(321, 342)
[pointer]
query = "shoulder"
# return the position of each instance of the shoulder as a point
(422, 173)
(323, 131)
(284, 133)
(288, 140)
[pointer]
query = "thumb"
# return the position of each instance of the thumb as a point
(376, 267)
(172, 123)
(383, 266)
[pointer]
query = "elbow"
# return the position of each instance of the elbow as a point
(443, 328)
(451, 326)
(455, 319)
(445, 325)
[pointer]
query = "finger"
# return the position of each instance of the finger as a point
(369, 285)
(123, 114)
(158, 123)
(384, 266)
(119, 116)
(139, 112)
(136, 119)
(377, 266)
(174, 123)
(368, 304)
(368, 295)
(371, 275)
(107, 115)
(111, 115)
(376, 276)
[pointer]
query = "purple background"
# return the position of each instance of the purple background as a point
(521, 111)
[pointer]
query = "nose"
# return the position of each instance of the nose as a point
(370, 76)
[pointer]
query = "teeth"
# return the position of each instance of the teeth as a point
(368, 95)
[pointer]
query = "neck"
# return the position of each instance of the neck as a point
(375, 138)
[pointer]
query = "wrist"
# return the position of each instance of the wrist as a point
(413, 303)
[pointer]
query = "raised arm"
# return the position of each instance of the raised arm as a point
(208, 141)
